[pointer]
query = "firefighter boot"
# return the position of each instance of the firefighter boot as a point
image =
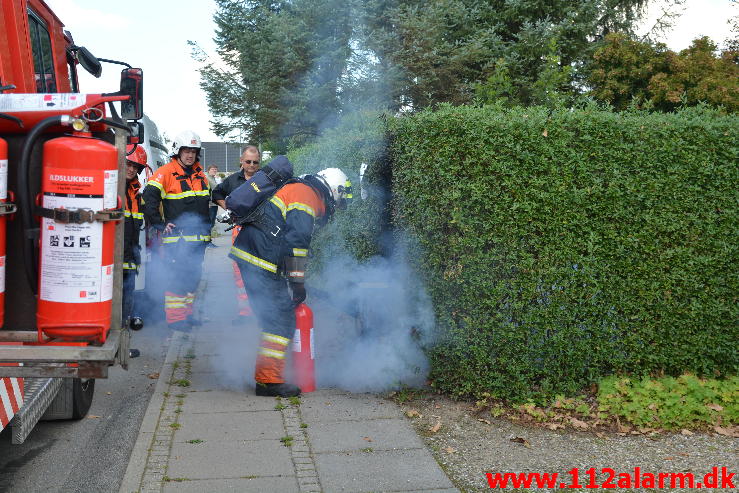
(277, 390)
(136, 323)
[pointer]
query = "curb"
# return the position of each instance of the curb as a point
(140, 454)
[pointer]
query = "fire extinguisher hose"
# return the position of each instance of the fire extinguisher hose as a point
(26, 199)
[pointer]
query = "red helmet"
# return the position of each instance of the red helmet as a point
(136, 154)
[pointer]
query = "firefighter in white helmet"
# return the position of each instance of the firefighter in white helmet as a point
(181, 187)
(272, 255)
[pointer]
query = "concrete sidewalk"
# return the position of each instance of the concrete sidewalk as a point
(206, 430)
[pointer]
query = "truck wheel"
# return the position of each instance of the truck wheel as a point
(82, 392)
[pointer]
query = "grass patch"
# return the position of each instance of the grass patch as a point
(280, 406)
(287, 441)
(167, 479)
(175, 426)
(304, 425)
(295, 401)
(196, 440)
(671, 403)
(182, 382)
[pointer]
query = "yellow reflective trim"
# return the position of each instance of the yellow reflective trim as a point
(175, 239)
(157, 185)
(135, 215)
(301, 207)
(300, 252)
(248, 257)
(283, 341)
(130, 266)
(280, 205)
(271, 353)
(189, 193)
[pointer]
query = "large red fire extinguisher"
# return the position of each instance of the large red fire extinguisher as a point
(5, 208)
(79, 183)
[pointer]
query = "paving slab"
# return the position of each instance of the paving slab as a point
(377, 434)
(228, 459)
(241, 485)
(224, 427)
(331, 407)
(225, 401)
(394, 470)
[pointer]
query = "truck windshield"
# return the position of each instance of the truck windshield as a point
(43, 61)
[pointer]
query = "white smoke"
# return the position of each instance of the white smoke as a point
(372, 321)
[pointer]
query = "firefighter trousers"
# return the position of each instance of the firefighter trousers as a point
(184, 268)
(241, 297)
(273, 306)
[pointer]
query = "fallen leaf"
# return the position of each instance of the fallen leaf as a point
(92, 416)
(669, 458)
(367, 439)
(687, 433)
(652, 406)
(545, 133)
(727, 432)
(683, 454)
(412, 413)
(601, 435)
(622, 434)
(580, 425)
(436, 406)
(483, 421)
(623, 429)
(109, 393)
(153, 376)
(522, 441)
(715, 407)
(436, 427)
(555, 426)
(634, 432)
(450, 450)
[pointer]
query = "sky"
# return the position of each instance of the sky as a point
(153, 35)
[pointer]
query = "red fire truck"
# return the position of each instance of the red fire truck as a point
(62, 173)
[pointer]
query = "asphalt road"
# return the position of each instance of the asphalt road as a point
(89, 455)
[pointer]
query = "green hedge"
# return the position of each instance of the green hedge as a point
(560, 247)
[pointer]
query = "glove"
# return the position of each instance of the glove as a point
(226, 217)
(298, 292)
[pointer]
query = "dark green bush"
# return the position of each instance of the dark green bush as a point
(560, 247)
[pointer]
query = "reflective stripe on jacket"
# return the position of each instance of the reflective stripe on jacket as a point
(290, 213)
(184, 196)
(133, 223)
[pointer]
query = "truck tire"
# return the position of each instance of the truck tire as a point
(82, 393)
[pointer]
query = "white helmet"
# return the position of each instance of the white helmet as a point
(337, 183)
(188, 138)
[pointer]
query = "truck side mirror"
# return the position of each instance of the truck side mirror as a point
(137, 133)
(88, 61)
(132, 84)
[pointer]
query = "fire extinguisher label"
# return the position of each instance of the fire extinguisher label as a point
(106, 290)
(297, 347)
(40, 102)
(3, 179)
(110, 190)
(2, 274)
(71, 254)
(311, 344)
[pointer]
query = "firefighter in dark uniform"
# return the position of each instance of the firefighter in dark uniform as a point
(181, 187)
(133, 224)
(276, 246)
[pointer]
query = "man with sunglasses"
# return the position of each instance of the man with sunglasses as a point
(249, 165)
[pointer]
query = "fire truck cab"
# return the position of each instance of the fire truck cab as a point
(62, 173)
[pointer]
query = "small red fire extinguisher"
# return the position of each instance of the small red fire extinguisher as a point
(303, 355)
(79, 183)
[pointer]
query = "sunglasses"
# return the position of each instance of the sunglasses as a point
(249, 161)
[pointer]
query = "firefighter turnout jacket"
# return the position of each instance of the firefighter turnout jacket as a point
(184, 195)
(284, 231)
(133, 223)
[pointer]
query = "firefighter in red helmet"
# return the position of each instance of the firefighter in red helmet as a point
(133, 224)
(181, 187)
(272, 255)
